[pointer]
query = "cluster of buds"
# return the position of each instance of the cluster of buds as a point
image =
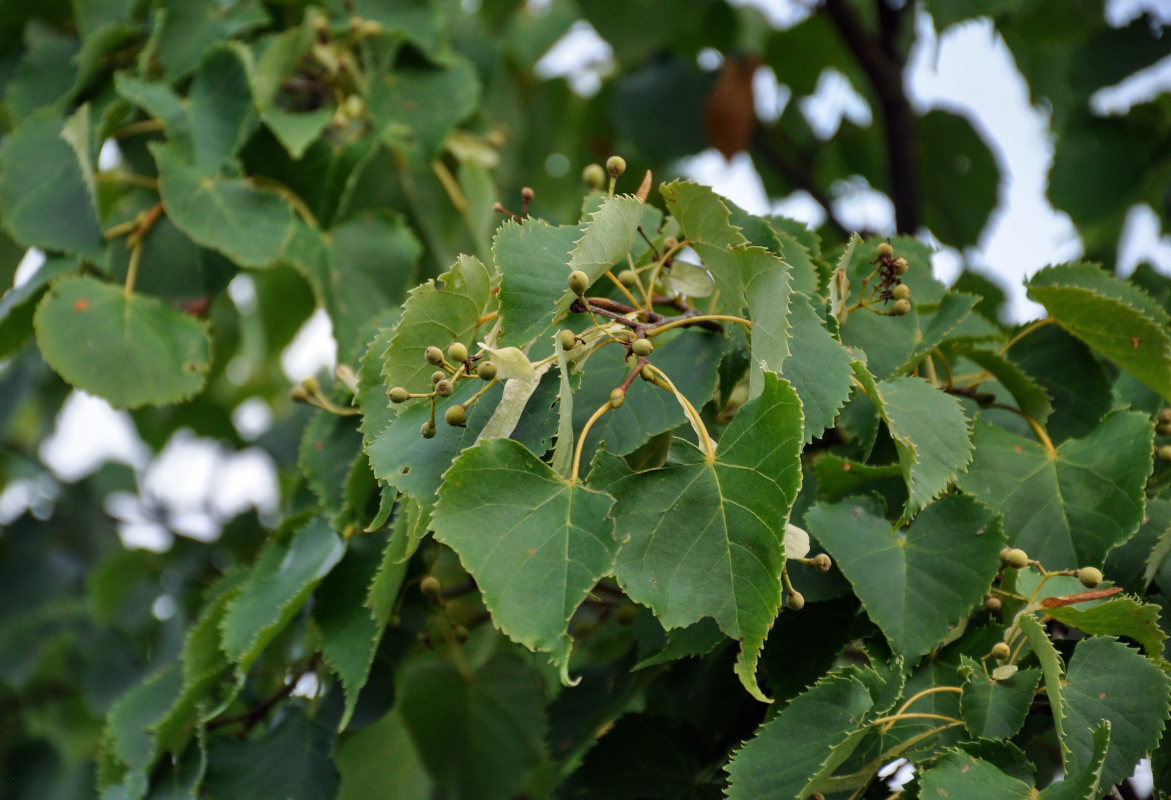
(891, 287)
(457, 365)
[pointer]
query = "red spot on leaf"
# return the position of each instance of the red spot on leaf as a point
(847, 466)
(318, 445)
(80, 304)
(1016, 448)
(1135, 341)
(857, 512)
(1101, 695)
(965, 767)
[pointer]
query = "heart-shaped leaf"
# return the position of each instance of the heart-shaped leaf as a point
(916, 583)
(131, 350)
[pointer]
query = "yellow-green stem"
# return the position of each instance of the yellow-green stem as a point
(582, 437)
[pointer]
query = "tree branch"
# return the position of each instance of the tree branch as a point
(885, 74)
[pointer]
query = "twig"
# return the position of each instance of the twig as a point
(885, 73)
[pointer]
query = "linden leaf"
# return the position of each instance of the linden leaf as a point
(131, 350)
(535, 544)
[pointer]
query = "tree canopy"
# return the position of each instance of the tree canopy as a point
(617, 489)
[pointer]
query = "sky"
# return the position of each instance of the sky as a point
(203, 484)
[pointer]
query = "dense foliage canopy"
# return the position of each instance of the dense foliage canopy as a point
(617, 490)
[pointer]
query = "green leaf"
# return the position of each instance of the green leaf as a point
(1087, 785)
(689, 358)
(416, 107)
(436, 315)
(190, 27)
(1065, 509)
(960, 776)
(129, 744)
(44, 200)
(535, 544)
(295, 129)
(818, 368)
(1109, 681)
(915, 584)
(290, 761)
(996, 709)
(959, 177)
(383, 756)
(219, 107)
(479, 734)
(129, 349)
(246, 223)
(329, 446)
(930, 432)
(1119, 616)
(46, 73)
(349, 631)
(400, 456)
(18, 305)
(533, 260)
(301, 553)
(786, 753)
(1070, 374)
(358, 269)
(1030, 397)
(705, 538)
(1115, 318)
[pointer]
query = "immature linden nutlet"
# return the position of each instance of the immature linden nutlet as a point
(456, 416)
(399, 395)
(884, 250)
(457, 352)
(901, 292)
(433, 355)
(579, 282)
(487, 371)
(642, 347)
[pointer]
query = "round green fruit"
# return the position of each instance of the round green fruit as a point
(615, 165)
(617, 398)
(579, 282)
(487, 371)
(399, 395)
(900, 308)
(1014, 557)
(430, 586)
(642, 347)
(901, 266)
(901, 292)
(594, 176)
(433, 355)
(457, 352)
(428, 429)
(443, 388)
(796, 601)
(884, 250)
(456, 416)
(1000, 651)
(568, 339)
(1091, 577)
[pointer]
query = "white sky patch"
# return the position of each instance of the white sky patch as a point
(312, 349)
(769, 95)
(28, 266)
(861, 207)
(736, 180)
(781, 14)
(89, 433)
(1025, 233)
(581, 56)
(1141, 87)
(833, 100)
(252, 418)
(1143, 240)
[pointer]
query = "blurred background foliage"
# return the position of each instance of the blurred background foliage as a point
(452, 116)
